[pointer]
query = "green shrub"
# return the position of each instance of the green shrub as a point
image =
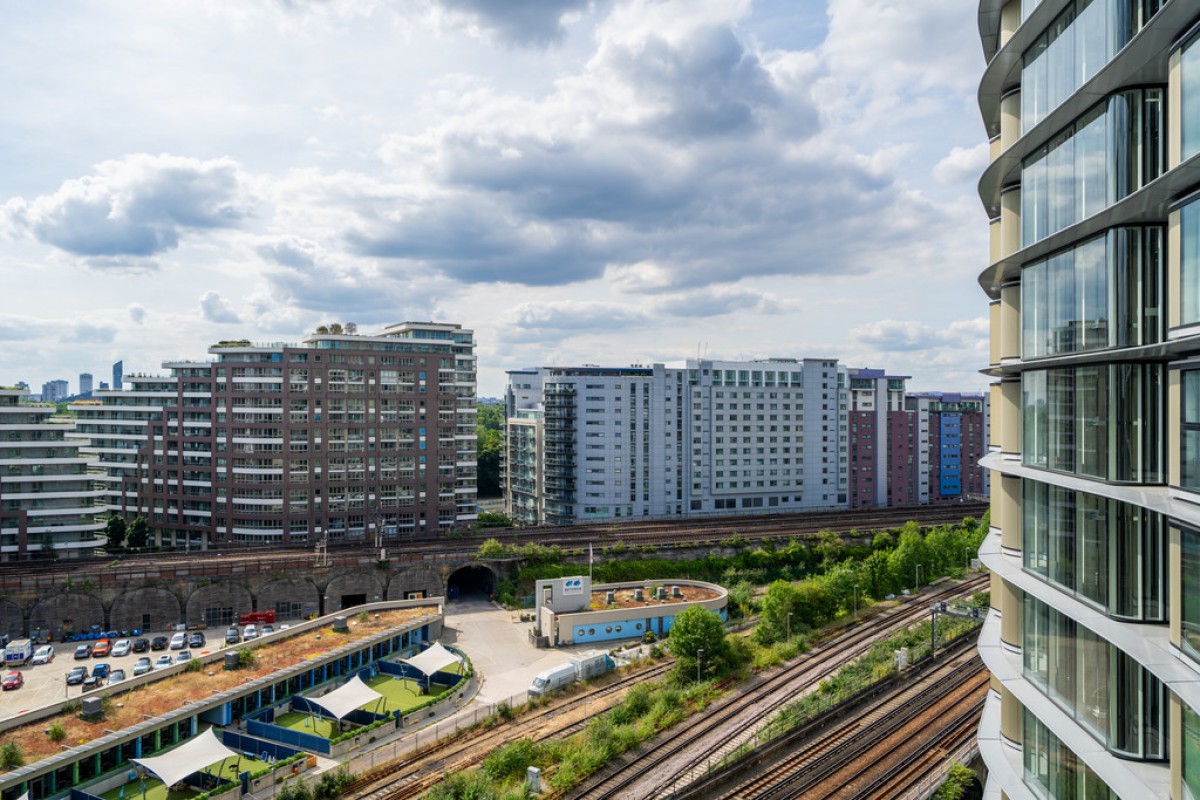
(11, 756)
(56, 731)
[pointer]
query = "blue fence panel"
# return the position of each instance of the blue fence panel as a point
(257, 747)
(298, 739)
(80, 794)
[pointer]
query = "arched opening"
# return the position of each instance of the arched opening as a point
(474, 582)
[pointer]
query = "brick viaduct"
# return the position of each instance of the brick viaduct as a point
(210, 589)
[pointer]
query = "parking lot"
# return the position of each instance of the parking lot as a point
(46, 683)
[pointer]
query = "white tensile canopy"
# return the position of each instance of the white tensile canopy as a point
(344, 699)
(433, 659)
(194, 755)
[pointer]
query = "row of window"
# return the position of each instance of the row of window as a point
(1100, 420)
(1105, 690)
(1107, 553)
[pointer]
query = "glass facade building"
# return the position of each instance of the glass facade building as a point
(1093, 642)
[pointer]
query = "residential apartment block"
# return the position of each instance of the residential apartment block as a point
(914, 448)
(342, 437)
(1094, 282)
(588, 443)
(46, 495)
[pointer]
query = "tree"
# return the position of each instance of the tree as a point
(778, 602)
(877, 575)
(489, 447)
(139, 533)
(698, 642)
(115, 530)
(910, 557)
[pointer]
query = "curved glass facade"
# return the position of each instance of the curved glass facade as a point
(1189, 262)
(1100, 420)
(1189, 592)
(1101, 687)
(1107, 553)
(1189, 82)
(1053, 771)
(1081, 40)
(1105, 292)
(1112, 150)
(1191, 754)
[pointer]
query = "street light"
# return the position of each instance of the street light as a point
(856, 599)
(789, 627)
(699, 658)
(918, 586)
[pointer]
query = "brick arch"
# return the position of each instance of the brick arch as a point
(130, 608)
(294, 598)
(367, 585)
(231, 599)
(417, 578)
(79, 610)
(12, 619)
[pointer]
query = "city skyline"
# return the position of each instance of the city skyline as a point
(741, 181)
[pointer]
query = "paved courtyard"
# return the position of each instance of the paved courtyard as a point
(499, 647)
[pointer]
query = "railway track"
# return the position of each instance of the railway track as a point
(630, 534)
(855, 758)
(409, 777)
(655, 769)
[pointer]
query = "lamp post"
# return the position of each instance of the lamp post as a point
(699, 659)
(856, 599)
(918, 581)
(789, 627)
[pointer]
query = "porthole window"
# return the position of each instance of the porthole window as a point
(608, 629)
(591, 631)
(618, 629)
(638, 626)
(580, 632)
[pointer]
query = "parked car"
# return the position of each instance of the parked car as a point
(142, 666)
(267, 629)
(197, 639)
(184, 655)
(121, 647)
(116, 676)
(101, 648)
(76, 675)
(101, 670)
(179, 641)
(83, 651)
(43, 655)
(164, 661)
(12, 680)
(159, 643)
(233, 635)
(92, 682)
(250, 632)
(141, 645)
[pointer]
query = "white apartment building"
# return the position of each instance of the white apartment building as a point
(46, 495)
(595, 443)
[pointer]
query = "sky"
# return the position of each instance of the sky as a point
(578, 181)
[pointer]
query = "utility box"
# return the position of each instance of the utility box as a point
(232, 660)
(340, 625)
(533, 780)
(91, 708)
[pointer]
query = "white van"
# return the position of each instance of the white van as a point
(552, 680)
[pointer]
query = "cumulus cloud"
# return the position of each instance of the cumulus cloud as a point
(215, 308)
(909, 336)
(137, 206)
(92, 332)
(137, 313)
(714, 301)
(536, 23)
(962, 164)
